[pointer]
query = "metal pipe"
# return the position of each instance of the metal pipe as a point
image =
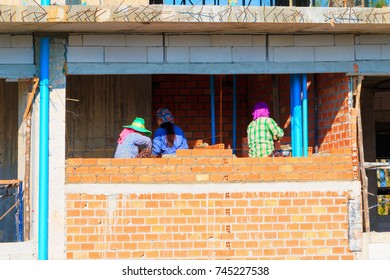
(234, 142)
(305, 120)
(43, 199)
(20, 213)
(212, 102)
(297, 112)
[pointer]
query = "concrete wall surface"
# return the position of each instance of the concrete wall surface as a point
(376, 246)
(227, 48)
(18, 251)
(246, 53)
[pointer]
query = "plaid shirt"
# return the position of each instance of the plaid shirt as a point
(261, 135)
(132, 144)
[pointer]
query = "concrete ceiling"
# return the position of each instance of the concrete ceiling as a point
(191, 27)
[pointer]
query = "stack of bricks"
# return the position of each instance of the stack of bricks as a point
(210, 166)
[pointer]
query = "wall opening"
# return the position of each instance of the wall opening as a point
(8, 158)
(98, 107)
(375, 106)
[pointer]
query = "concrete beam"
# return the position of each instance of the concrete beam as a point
(127, 18)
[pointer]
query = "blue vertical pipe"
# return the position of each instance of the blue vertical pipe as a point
(43, 214)
(212, 101)
(43, 198)
(234, 142)
(20, 213)
(305, 120)
(297, 112)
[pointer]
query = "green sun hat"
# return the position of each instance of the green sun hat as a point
(139, 125)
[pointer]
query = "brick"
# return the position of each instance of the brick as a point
(89, 179)
(75, 40)
(16, 55)
(374, 40)
(189, 41)
(249, 54)
(293, 54)
(178, 54)
(281, 40)
(313, 40)
(74, 161)
(21, 41)
(73, 179)
(89, 161)
(368, 52)
(231, 40)
(144, 40)
(335, 53)
(104, 40)
(213, 54)
(85, 54)
(125, 54)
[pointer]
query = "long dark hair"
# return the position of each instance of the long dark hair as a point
(170, 130)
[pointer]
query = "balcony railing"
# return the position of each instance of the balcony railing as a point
(12, 214)
(303, 3)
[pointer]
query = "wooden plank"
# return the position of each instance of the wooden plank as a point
(31, 97)
(366, 213)
(9, 182)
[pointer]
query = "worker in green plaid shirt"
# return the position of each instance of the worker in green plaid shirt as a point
(262, 132)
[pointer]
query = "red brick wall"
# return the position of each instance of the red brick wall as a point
(305, 225)
(211, 166)
(334, 116)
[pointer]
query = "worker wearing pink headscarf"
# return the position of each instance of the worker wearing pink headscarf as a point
(260, 110)
(262, 132)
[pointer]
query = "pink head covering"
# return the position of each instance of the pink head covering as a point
(260, 110)
(124, 134)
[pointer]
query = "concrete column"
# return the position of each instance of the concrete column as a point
(56, 184)
(57, 149)
(23, 95)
